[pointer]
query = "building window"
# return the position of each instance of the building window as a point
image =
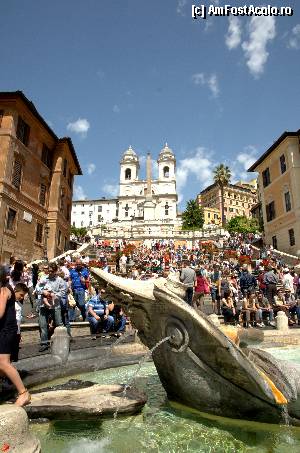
(230, 209)
(82, 212)
(208, 215)
(42, 198)
(59, 238)
(266, 177)
(166, 172)
(292, 237)
(287, 200)
(39, 233)
(274, 242)
(127, 173)
(167, 209)
(99, 208)
(270, 211)
(81, 223)
(91, 223)
(126, 213)
(65, 167)
(11, 219)
(46, 156)
(282, 164)
(1, 116)
(216, 216)
(17, 174)
(23, 131)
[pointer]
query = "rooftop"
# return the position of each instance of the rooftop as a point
(274, 146)
(7, 95)
(231, 186)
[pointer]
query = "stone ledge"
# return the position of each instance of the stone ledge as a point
(14, 432)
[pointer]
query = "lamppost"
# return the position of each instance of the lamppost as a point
(47, 228)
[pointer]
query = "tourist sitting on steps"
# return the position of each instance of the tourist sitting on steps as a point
(98, 314)
(283, 304)
(117, 313)
(252, 315)
(267, 310)
(230, 313)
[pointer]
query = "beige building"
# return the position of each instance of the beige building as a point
(212, 216)
(238, 198)
(36, 182)
(279, 189)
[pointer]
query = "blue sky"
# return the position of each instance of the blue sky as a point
(116, 73)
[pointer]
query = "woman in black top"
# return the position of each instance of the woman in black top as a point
(8, 338)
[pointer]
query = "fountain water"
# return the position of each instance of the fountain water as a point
(140, 364)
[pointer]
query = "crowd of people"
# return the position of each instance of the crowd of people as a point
(217, 281)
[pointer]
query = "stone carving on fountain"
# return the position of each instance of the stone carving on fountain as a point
(199, 366)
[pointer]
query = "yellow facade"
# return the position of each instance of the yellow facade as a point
(212, 216)
(279, 188)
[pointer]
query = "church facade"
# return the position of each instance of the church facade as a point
(140, 201)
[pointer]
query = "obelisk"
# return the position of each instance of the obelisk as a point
(149, 204)
(148, 173)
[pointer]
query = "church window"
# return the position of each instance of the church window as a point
(127, 173)
(126, 210)
(167, 209)
(166, 172)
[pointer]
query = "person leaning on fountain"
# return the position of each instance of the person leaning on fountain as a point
(188, 277)
(50, 290)
(98, 314)
(9, 338)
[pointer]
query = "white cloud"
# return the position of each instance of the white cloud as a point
(116, 109)
(244, 160)
(234, 33)
(211, 81)
(294, 40)
(111, 189)
(79, 193)
(180, 7)
(91, 168)
(261, 31)
(199, 165)
(80, 126)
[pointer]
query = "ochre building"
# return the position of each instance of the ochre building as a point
(238, 198)
(36, 182)
(279, 190)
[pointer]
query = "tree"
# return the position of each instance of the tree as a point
(192, 217)
(78, 232)
(242, 224)
(222, 175)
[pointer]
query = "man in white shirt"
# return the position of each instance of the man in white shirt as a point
(288, 281)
